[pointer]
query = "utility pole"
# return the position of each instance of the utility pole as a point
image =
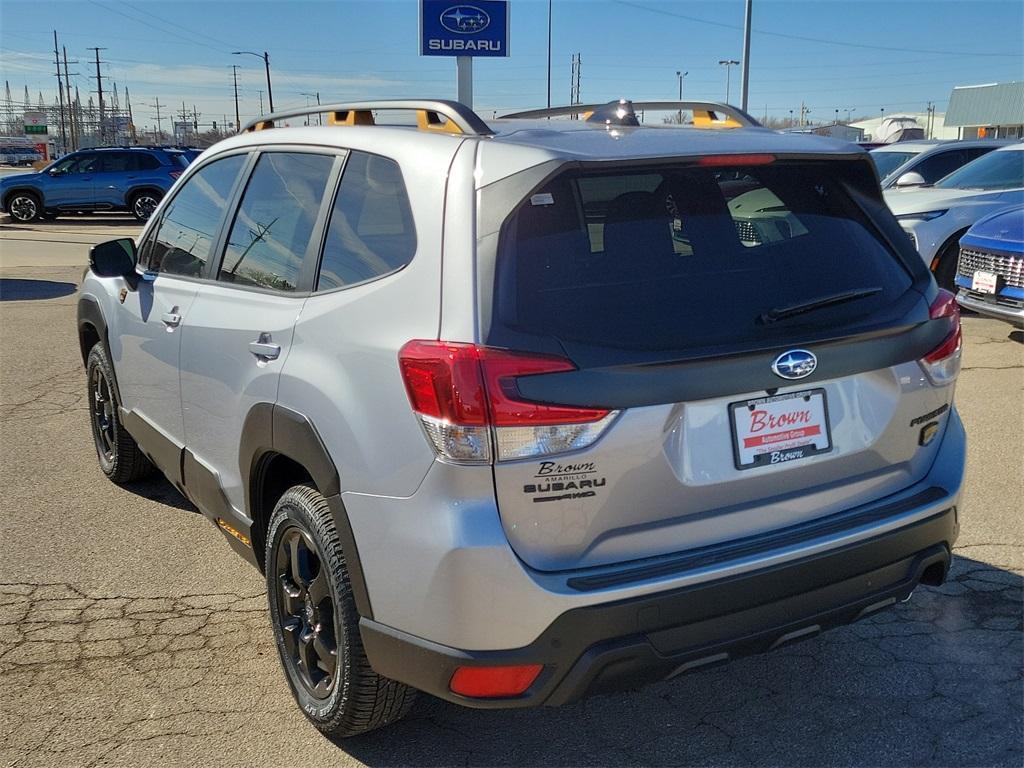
(71, 108)
(745, 85)
(234, 76)
(159, 123)
(131, 120)
(195, 123)
(574, 81)
(728, 64)
(261, 106)
(99, 91)
(60, 96)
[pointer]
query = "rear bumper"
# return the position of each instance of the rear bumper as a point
(629, 643)
(1010, 310)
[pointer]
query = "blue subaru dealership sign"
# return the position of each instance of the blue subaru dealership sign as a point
(477, 28)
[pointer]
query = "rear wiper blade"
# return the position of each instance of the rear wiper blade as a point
(780, 313)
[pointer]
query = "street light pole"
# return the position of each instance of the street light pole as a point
(549, 54)
(728, 64)
(680, 75)
(266, 62)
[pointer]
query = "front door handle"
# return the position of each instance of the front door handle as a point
(264, 348)
(171, 319)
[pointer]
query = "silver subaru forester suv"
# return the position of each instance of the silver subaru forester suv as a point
(519, 411)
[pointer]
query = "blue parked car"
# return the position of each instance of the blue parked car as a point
(130, 179)
(990, 273)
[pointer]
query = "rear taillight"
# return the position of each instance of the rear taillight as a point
(468, 401)
(942, 364)
(175, 174)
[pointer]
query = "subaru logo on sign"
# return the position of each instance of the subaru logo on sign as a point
(795, 364)
(465, 19)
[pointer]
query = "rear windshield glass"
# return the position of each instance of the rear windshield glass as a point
(674, 258)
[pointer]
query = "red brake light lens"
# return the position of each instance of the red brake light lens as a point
(472, 386)
(942, 364)
(443, 381)
(470, 407)
(507, 406)
(494, 682)
(724, 160)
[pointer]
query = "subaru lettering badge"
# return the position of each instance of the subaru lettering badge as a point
(465, 19)
(795, 364)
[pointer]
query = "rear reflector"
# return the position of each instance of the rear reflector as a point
(720, 160)
(464, 392)
(493, 682)
(942, 364)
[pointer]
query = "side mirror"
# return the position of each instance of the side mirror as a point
(911, 179)
(115, 258)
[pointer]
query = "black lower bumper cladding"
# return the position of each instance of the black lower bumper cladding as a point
(630, 643)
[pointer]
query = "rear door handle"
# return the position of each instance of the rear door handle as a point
(171, 319)
(264, 348)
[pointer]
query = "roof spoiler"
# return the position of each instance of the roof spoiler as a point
(431, 115)
(706, 114)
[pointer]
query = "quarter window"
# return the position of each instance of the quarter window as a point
(185, 236)
(371, 229)
(275, 220)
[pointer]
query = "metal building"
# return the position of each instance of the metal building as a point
(994, 110)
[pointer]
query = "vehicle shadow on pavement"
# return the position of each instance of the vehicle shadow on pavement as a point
(158, 488)
(13, 289)
(935, 681)
(1017, 336)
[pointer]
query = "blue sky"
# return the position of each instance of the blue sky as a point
(851, 54)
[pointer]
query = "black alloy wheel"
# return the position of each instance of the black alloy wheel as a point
(101, 409)
(307, 612)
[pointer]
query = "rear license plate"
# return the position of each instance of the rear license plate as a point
(780, 429)
(985, 282)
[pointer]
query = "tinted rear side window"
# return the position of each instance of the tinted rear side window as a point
(370, 232)
(678, 258)
(275, 220)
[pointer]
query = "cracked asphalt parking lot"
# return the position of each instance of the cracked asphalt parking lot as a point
(131, 635)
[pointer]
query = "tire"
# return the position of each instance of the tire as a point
(945, 269)
(119, 455)
(24, 207)
(142, 204)
(312, 610)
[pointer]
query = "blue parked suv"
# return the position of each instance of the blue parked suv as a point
(990, 274)
(105, 179)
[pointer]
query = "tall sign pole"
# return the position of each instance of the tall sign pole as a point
(464, 79)
(464, 31)
(746, 56)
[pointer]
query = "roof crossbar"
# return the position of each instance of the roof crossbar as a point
(706, 113)
(431, 114)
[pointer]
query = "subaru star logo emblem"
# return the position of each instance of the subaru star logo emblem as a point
(465, 19)
(795, 364)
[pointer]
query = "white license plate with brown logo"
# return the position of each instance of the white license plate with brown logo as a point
(780, 429)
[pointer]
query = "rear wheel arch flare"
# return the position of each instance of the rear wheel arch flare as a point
(280, 448)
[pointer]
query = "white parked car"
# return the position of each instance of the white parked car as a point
(937, 217)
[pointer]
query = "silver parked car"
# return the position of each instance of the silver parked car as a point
(922, 163)
(516, 412)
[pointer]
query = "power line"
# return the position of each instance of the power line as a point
(803, 38)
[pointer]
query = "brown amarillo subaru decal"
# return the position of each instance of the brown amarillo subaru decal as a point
(561, 482)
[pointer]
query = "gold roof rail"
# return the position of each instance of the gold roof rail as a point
(431, 115)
